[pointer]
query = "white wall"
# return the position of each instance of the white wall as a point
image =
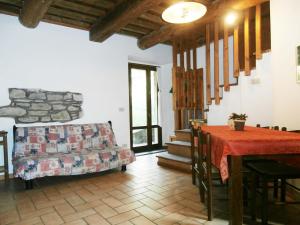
(167, 113)
(253, 99)
(285, 37)
(57, 58)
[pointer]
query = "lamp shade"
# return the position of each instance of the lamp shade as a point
(184, 12)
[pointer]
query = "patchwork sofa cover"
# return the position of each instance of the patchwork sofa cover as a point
(66, 150)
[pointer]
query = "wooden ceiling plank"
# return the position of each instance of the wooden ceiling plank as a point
(214, 10)
(63, 21)
(71, 14)
(81, 8)
(125, 13)
(136, 29)
(152, 18)
(129, 33)
(145, 24)
(8, 9)
(33, 12)
(103, 4)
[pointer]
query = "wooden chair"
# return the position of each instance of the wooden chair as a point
(193, 156)
(205, 170)
(265, 172)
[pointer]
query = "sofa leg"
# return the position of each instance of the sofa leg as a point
(123, 168)
(28, 184)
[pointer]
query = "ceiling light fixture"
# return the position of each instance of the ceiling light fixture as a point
(184, 12)
(231, 18)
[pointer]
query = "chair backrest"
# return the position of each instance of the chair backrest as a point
(204, 159)
(272, 128)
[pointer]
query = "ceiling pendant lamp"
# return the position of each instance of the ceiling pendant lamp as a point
(184, 12)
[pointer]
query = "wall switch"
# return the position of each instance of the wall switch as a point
(121, 109)
(255, 80)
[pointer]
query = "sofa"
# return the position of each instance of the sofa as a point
(62, 150)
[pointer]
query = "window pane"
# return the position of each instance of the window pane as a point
(154, 136)
(154, 105)
(139, 100)
(139, 137)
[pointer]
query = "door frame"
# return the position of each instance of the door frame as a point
(149, 126)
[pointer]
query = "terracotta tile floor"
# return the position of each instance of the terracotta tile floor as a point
(145, 194)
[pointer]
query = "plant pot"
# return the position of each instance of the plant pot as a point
(239, 125)
(231, 124)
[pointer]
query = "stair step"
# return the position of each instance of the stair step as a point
(183, 135)
(180, 148)
(174, 161)
(180, 143)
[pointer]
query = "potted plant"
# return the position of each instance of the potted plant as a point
(237, 121)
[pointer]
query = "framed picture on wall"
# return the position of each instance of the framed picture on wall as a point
(298, 65)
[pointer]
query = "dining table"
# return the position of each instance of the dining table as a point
(228, 147)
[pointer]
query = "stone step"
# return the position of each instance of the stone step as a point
(174, 162)
(183, 135)
(179, 148)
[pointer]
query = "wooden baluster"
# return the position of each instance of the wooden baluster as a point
(226, 59)
(195, 79)
(175, 85)
(182, 85)
(208, 92)
(258, 32)
(188, 79)
(201, 91)
(216, 64)
(247, 43)
(236, 64)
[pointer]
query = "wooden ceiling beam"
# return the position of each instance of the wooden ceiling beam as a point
(123, 14)
(33, 11)
(169, 31)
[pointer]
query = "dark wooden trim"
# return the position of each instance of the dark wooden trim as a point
(33, 12)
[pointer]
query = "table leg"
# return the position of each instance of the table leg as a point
(236, 191)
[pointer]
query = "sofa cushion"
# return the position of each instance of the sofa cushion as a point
(74, 163)
(98, 136)
(30, 141)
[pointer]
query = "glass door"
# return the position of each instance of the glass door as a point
(145, 133)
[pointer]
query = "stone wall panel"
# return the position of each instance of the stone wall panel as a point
(36, 105)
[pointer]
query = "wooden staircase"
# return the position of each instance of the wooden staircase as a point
(179, 152)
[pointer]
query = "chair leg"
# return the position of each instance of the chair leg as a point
(209, 202)
(201, 189)
(283, 190)
(28, 184)
(245, 190)
(193, 174)
(275, 192)
(264, 207)
(254, 181)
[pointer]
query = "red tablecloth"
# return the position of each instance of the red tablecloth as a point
(251, 141)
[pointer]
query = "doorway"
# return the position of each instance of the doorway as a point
(145, 132)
